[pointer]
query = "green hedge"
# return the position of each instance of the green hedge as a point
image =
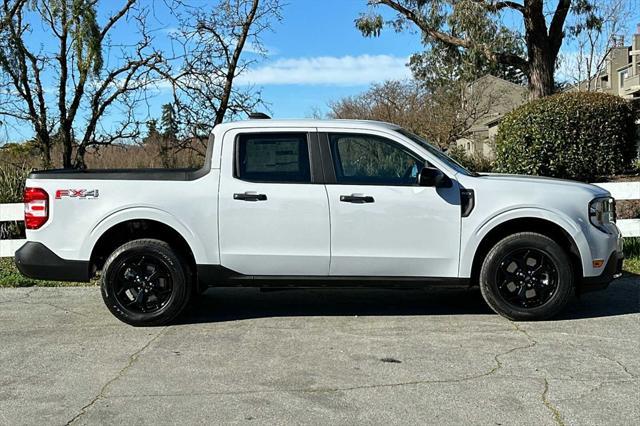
(576, 135)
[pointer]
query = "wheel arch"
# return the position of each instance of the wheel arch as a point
(544, 226)
(132, 229)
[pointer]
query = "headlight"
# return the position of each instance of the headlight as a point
(602, 211)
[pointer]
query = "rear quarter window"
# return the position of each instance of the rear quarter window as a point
(273, 157)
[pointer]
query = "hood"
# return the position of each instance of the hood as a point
(542, 180)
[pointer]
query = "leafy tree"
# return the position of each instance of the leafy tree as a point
(152, 128)
(169, 122)
(473, 31)
(168, 139)
(443, 63)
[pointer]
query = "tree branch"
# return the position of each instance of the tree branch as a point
(115, 18)
(507, 58)
(231, 72)
(556, 31)
(496, 6)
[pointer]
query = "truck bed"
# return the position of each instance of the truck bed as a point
(185, 174)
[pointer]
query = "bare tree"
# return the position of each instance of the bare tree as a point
(65, 92)
(442, 115)
(209, 48)
(594, 42)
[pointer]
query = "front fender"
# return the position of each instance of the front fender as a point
(145, 213)
(475, 235)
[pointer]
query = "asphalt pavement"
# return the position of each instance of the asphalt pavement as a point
(241, 356)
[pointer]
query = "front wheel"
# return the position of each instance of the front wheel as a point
(527, 276)
(144, 283)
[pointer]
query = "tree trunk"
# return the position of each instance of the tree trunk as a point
(67, 147)
(80, 164)
(543, 44)
(46, 157)
(541, 78)
(44, 143)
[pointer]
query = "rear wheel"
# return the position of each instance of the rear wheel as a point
(144, 283)
(527, 276)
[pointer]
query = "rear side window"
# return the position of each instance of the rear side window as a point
(273, 157)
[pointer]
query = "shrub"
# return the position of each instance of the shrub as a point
(570, 135)
(12, 179)
(473, 162)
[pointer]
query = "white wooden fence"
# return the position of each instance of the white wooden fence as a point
(9, 212)
(619, 190)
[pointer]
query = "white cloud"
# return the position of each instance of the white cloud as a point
(328, 70)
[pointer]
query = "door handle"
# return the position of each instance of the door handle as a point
(356, 198)
(250, 196)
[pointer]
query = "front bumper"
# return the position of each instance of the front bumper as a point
(35, 260)
(611, 271)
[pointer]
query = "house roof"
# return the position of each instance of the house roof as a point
(501, 80)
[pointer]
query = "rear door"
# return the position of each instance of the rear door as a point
(273, 207)
(383, 223)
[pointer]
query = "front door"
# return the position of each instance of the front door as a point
(383, 223)
(273, 218)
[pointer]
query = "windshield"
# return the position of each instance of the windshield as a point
(436, 152)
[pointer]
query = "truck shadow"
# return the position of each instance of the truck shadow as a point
(232, 304)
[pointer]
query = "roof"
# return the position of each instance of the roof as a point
(500, 80)
(268, 123)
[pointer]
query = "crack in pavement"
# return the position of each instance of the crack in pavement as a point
(132, 359)
(496, 358)
(335, 389)
(60, 308)
(557, 416)
(624, 367)
(547, 403)
(19, 299)
(596, 388)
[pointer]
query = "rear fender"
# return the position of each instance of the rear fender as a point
(148, 213)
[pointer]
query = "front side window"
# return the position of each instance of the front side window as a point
(273, 157)
(437, 153)
(372, 160)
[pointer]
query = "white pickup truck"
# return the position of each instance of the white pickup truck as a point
(317, 203)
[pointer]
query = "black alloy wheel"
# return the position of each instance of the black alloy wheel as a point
(145, 283)
(527, 278)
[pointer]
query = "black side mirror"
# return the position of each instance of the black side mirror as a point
(430, 176)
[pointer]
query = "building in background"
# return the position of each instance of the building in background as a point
(485, 102)
(488, 99)
(620, 74)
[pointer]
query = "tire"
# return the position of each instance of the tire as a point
(527, 277)
(145, 283)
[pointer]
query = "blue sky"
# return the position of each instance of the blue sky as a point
(318, 46)
(316, 55)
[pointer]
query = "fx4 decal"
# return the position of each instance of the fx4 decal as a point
(76, 193)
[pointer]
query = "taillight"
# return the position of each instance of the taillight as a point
(36, 207)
